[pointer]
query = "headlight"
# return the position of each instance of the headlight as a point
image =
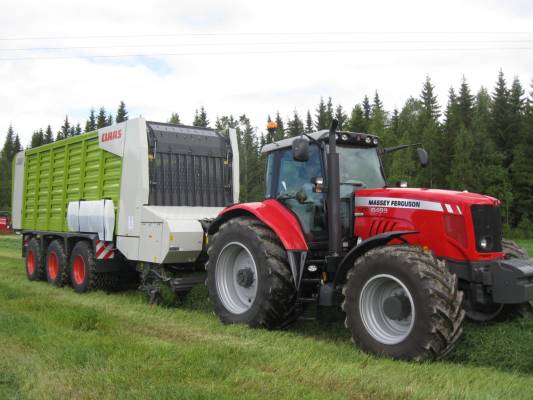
(368, 140)
(375, 141)
(485, 243)
(344, 137)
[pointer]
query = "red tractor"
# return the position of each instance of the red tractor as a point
(404, 264)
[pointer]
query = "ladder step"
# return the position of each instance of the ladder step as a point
(311, 280)
(308, 300)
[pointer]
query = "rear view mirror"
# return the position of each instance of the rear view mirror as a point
(422, 156)
(300, 149)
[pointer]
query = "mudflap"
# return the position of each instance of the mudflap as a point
(512, 281)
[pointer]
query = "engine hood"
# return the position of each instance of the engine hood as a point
(426, 195)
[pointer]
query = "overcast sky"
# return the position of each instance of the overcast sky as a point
(253, 57)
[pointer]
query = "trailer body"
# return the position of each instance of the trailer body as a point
(137, 189)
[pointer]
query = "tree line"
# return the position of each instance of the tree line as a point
(480, 142)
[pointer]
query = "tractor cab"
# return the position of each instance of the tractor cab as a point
(296, 176)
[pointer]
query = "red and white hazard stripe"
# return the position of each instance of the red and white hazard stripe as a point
(104, 250)
(452, 209)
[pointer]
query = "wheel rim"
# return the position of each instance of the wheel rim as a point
(379, 325)
(30, 262)
(52, 266)
(236, 278)
(78, 270)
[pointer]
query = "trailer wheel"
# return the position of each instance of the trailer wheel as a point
(83, 268)
(34, 261)
(56, 264)
(248, 275)
(403, 303)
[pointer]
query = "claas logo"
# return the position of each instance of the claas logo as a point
(112, 135)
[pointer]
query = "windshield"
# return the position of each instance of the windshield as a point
(359, 168)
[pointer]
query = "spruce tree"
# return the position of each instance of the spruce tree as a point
(122, 114)
(295, 126)
(6, 156)
(340, 116)
(308, 123)
(429, 100)
(101, 119)
(200, 118)
(463, 173)
(367, 110)
(65, 130)
(251, 171)
(48, 136)
(329, 113)
(90, 125)
(37, 139)
(321, 116)
(357, 122)
(77, 129)
(501, 116)
(465, 104)
(174, 119)
(109, 120)
(280, 131)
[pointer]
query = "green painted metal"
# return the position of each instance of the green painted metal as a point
(67, 170)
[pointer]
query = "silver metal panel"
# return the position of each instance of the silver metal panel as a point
(150, 242)
(235, 173)
(73, 211)
(134, 181)
(16, 195)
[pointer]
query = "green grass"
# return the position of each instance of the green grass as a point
(56, 344)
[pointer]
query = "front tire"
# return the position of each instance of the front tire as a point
(248, 275)
(403, 303)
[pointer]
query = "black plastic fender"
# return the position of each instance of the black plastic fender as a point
(379, 240)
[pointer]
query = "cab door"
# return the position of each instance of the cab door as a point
(291, 183)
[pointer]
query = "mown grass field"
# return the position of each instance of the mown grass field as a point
(55, 344)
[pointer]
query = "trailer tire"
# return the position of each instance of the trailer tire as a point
(251, 243)
(402, 302)
(83, 268)
(56, 264)
(34, 261)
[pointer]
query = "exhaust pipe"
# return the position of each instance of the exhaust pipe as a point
(334, 195)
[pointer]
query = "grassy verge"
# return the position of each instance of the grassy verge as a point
(57, 344)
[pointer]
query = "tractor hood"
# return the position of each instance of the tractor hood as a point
(443, 219)
(429, 199)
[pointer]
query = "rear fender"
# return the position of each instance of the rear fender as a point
(274, 215)
(363, 247)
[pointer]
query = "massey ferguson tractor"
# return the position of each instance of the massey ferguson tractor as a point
(404, 264)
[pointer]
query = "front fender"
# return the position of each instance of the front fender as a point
(366, 245)
(274, 215)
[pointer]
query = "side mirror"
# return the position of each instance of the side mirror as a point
(300, 149)
(422, 156)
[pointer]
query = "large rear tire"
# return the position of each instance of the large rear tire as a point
(248, 275)
(56, 264)
(403, 303)
(34, 261)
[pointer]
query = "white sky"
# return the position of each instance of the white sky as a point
(256, 79)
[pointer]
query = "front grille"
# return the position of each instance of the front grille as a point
(487, 226)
